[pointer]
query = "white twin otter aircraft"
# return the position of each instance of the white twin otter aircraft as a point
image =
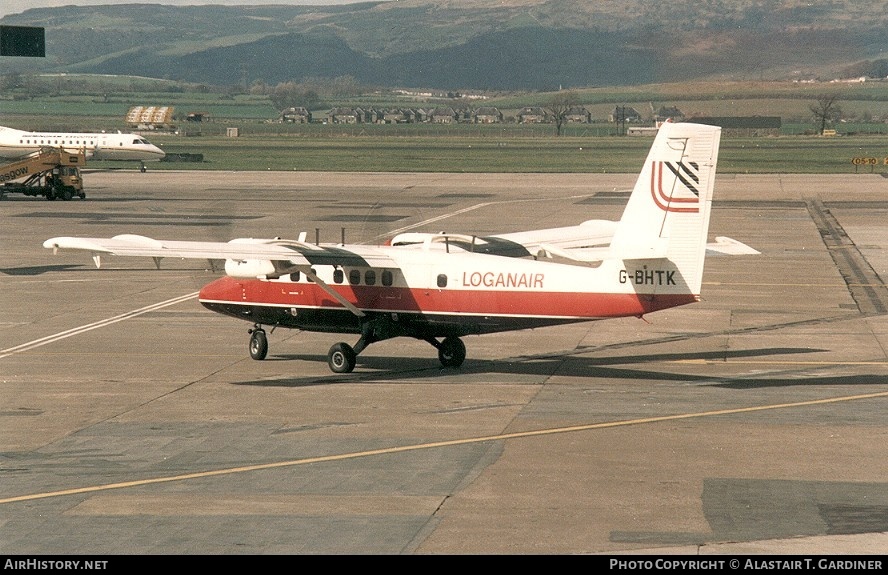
(442, 287)
(15, 144)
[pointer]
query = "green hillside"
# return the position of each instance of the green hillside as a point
(460, 45)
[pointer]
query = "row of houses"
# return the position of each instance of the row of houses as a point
(439, 115)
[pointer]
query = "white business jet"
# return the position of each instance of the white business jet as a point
(15, 144)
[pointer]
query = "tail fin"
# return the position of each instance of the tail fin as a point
(668, 212)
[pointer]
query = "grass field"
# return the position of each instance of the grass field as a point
(265, 144)
(594, 154)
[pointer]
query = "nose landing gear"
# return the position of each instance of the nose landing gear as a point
(258, 343)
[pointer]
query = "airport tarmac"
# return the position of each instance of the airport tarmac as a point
(133, 421)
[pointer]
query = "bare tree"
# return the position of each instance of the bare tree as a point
(559, 106)
(826, 110)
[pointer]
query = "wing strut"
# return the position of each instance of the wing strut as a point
(335, 294)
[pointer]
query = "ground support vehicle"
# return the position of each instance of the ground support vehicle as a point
(52, 173)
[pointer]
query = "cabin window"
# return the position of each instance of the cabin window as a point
(370, 277)
(442, 280)
(313, 272)
(338, 276)
(387, 278)
(294, 277)
(354, 277)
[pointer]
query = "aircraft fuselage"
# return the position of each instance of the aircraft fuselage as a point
(97, 146)
(437, 294)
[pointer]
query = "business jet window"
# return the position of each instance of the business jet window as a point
(370, 277)
(387, 278)
(338, 276)
(294, 277)
(354, 277)
(442, 280)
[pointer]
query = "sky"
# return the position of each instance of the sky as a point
(17, 6)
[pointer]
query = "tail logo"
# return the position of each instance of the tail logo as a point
(686, 176)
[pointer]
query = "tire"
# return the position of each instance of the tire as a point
(341, 358)
(67, 195)
(452, 352)
(258, 345)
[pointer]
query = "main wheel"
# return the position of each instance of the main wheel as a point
(452, 352)
(258, 344)
(341, 358)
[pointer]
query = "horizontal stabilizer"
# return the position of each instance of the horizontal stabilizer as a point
(730, 247)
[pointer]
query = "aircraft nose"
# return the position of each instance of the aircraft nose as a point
(224, 289)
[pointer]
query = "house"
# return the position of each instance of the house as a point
(343, 116)
(445, 115)
(743, 125)
(532, 115)
(578, 115)
(488, 115)
(624, 114)
(396, 116)
(669, 113)
(297, 115)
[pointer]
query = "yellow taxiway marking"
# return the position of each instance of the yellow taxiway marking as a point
(772, 362)
(431, 445)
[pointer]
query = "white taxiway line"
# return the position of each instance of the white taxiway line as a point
(465, 210)
(102, 323)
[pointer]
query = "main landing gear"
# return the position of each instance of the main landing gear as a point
(342, 357)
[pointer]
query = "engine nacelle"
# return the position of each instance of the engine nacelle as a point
(408, 238)
(249, 269)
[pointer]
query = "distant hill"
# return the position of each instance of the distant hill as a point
(516, 45)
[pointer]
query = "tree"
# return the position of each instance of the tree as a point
(559, 106)
(826, 110)
(292, 95)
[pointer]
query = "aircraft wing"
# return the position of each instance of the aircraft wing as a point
(587, 243)
(283, 254)
(590, 234)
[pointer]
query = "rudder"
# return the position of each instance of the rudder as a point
(668, 212)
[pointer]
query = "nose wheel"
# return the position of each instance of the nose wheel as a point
(258, 343)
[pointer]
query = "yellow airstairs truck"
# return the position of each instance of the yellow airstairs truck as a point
(53, 173)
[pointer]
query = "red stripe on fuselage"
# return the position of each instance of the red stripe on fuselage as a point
(441, 301)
